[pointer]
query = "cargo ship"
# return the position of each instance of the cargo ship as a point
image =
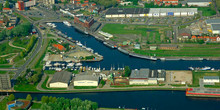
(203, 92)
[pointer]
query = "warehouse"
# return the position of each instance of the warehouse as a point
(86, 80)
(212, 21)
(215, 28)
(211, 79)
(139, 77)
(128, 12)
(61, 79)
(176, 12)
(199, 2)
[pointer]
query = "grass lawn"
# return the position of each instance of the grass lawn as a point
(178, 85)
(85, 87)
(3, 103)
(207, 11)
(5, 66)
(36, 106)
(50, 35)
(186, 51)
(49, 71)
(6, 49)
(36, 18)
(21, 42)
(130, 29)
(201, 74)
(21, 17)
(25, 87)
(3, 72)
(218, 4)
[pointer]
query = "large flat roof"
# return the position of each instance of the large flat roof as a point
(142, 73)
(127, 11)
(199, 0)
(213, 21)
(86, 77)
(215, 26)
(166, 10)
(62, 76)
(211, 77)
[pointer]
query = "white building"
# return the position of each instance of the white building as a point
(211, 79)
(202, 3)
(215, 28)
(86, 80)
(60, 79)
(48, 2)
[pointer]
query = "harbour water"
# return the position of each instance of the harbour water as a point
(153, 100)
(113, 57)
(150, 100)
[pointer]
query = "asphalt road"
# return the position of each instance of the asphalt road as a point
(34, 53)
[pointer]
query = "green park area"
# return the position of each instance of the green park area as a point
(200, 74)
(195, 50)
(136, 33)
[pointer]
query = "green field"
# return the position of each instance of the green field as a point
(6, 49)
(49, 71)
(85, 87)
(207, 11)
(5, 66)
(3, 72)
(218, 4)
(201, 74)
(25, 87)
(152, 34)
(186, 51)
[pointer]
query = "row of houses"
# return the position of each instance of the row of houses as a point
(202, 3)
(150, 12)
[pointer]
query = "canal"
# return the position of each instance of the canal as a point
(151, 100)
(154, 100)
(112, 57)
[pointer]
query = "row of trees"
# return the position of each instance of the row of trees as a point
(3, 60)
(35, 78)
(105, 3)
(67, 104)
(20, 30)
(11, 97)
(29, 47)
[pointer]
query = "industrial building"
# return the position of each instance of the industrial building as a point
(211, 79)
(128, 12)
(61, 79)
(146, 77)
(213, 25)
(199, 2)
(176, 12)
(21, 5)
(85, 21)
(86, 80)
(48, 2)
(151, 12)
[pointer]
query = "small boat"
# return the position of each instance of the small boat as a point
(66, 23)
(86, 32)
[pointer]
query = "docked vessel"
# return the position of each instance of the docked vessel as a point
(198, 68)
(203, 92)
(109, 45)
(66, 23)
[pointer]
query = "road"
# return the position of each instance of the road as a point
(34, 53)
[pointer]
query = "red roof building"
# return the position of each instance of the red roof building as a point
(166, 2)
(58, 46)
(9, 28)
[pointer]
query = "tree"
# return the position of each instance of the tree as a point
(29, 97)
(127, 71)
(54, 8)
(1, 6)
(7, 5)
(11, 97)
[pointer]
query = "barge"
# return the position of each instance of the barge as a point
(203, 92)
